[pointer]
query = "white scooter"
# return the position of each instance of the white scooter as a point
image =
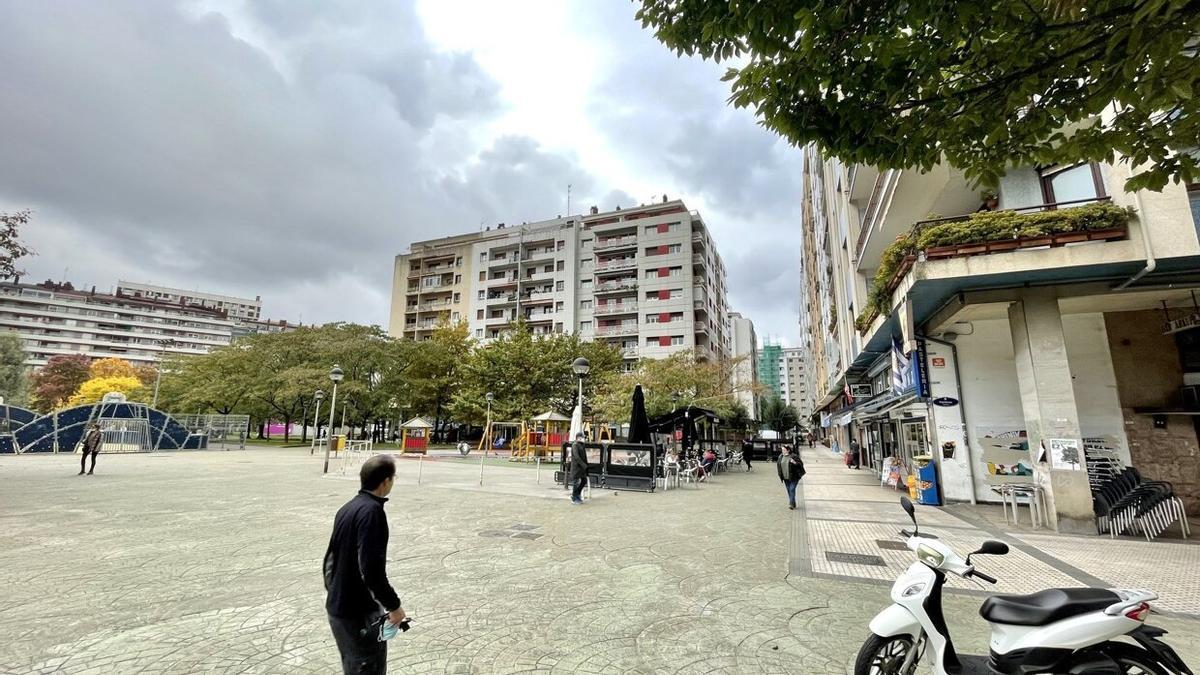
(1059, 630)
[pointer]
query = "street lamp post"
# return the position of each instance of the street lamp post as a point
(335, 376)
(488, 429)
(582, 367)
(317, 418)
(162, 346)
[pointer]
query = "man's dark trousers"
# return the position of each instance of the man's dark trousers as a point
(577, 489)
(361, 654)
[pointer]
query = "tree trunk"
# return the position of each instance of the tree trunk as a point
(287, 429)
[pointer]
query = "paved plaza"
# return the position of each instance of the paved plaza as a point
(209, 562)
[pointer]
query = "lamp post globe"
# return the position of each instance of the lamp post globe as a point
(335, 376)
(318, 396)
(581, 366)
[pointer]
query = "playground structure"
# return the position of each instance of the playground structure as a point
(414, 436)
(499, 436)
(542, 437)
(126, 427)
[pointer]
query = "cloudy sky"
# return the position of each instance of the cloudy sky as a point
(290, 149)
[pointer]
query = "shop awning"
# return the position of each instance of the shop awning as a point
(841, 419)
(883, 405)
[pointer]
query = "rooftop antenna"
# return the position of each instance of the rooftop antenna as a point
(568, 199)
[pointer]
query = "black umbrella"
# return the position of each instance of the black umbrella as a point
(639, 424)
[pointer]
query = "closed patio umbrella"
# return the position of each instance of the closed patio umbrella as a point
(639, 424)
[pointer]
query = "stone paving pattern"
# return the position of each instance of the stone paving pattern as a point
(209, 562)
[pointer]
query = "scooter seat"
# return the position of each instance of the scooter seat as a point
(1045, 607)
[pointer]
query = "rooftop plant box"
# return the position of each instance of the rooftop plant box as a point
(986, 233)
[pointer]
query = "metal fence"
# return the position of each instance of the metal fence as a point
(226, 431)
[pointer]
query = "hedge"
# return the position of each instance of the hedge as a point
(983, 227)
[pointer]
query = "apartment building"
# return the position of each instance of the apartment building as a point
(648, 280)
(782, 372)
(745, 373)
(234, 307)
(56, 319)
(1004, 359)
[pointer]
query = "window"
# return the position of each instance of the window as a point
(676, 340)
(458, 261)
(458, 278)
(1072, 183)
(482, 256)
(481, 294)
(652, 318)
(584, 304)
(483, 276)
(586, 284)
(562, 265)
(548, 269)
(585, 326)
(561, 244)
(456, 298)
(558, 307)
(559, 286)
(479, 315)
(478, 332)
(430, 282)
(454, 316)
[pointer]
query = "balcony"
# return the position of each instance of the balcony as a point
(539, 317)
(503, 281)
(615, 243)
(498, 320)
(536, 298)
(434, 306)
(502, 298)
(697, 237)
(700, 306)
(615, 265)
(610, 308)
(698, 259)
(539, 254)
(628, 328)
(629, 352)
(621, 286)
(539, 276)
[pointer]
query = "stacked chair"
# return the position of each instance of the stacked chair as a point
(1125, 502)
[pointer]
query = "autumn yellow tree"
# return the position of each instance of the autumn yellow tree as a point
(111, 367)
(94, 389)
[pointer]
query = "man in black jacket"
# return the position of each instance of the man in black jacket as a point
(579, 469)
(355, 574)
(791, 470)
(91, 446)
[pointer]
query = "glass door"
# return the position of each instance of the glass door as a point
(913, 439)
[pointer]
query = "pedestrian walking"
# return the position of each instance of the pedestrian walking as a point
(579, 469)
(854, 454)
(358, 592)
(91, 446)
(791, 470)
(747, 449)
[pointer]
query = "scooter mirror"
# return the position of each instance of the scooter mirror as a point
(907, 505)
(993, 547)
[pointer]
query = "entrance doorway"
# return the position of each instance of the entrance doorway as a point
(914, 439)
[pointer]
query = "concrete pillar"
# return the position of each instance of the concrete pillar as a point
(1048, 403)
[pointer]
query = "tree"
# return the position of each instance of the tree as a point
(528, 374)
(94, 389)
(11, 250)
(676, 381)
(980, 84)
(58, 380)
(436, 373)
(111, 367)
(777, 415)
(14, 383)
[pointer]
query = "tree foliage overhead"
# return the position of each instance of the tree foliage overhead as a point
(675, 381)
(94, 389)
(777, 415)
(983, 85)
(11, 249)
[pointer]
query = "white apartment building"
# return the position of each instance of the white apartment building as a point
(55, 319)
(234, 307)
(993, 354)
(792, 380)
(648, 280)
(745, 374)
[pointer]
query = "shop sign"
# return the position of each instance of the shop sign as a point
(861, 391)
(945, 401)
(937, 362)
(1182, 323)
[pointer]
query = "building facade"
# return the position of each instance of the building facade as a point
(238, 309)
(745, 371)
(55, 319)
(1022, 357)
(648, 280)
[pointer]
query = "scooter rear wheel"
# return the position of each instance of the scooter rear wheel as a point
(1134, 660)
(885, 656)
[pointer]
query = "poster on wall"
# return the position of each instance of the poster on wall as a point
(1065, 454)
(1006, 454)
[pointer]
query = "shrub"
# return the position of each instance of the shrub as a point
(977, 228)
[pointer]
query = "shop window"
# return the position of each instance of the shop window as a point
(1071, 183)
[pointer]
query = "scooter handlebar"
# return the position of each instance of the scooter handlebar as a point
(980, 575)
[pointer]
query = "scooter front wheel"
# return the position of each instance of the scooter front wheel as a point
(885, 656)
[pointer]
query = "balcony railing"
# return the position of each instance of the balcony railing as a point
(539, 254)
(624, 329)
(542, 296)
(498, 320)
(618, 264)
(629, 352)
(615, 242)
(503, 281)
(615, 308)
(617, 286)
(433, 306)
(697, 259)
(503, 297)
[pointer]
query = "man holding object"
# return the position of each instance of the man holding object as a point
(355, 574)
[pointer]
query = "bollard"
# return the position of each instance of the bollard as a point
(539, 470)
(420, 465)
(481, 470)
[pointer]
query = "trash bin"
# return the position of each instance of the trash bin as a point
(927, 484)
